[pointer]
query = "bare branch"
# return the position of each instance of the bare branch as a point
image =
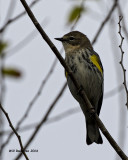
(122, 116)
(123, 21)
(10, 10)
(37, 94)
(17, 17)
(18, 136)
(105, 20)
(44, 119)
(122, 57)
(81, 91)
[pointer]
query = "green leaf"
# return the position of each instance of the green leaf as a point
(11, 72)
(3, 45)
(75, 12)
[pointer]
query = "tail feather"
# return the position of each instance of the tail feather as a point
(93, 133)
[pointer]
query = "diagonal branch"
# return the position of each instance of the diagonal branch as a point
(105, 20)
(81, 91)
(10, 10)
(44, 119)
(18, 136)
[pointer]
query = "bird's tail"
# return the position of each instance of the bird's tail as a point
(93, 133)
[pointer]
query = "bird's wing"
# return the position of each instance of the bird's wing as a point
(100, 104)
(95, 59)
(97, 62)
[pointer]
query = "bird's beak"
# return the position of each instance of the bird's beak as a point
(60, 39)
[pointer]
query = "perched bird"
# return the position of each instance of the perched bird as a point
(87, 68)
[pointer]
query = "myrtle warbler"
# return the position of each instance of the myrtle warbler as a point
(87, 68)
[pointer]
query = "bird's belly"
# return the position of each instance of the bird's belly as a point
(89, 80)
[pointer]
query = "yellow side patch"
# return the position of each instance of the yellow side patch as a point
(66, 74)
(95, 60)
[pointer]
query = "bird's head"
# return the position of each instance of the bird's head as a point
(74, 40)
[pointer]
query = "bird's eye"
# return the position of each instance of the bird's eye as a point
(71, 38)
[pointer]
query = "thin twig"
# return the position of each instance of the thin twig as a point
(81, 91)
(105, 20)
(44, 119)
(122, 57)
(123, 22)
(18, 136)
(17, 17)
(10, 10)
(122, 115)
(36, 96)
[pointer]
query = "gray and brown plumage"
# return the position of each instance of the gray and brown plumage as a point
(87, 68)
